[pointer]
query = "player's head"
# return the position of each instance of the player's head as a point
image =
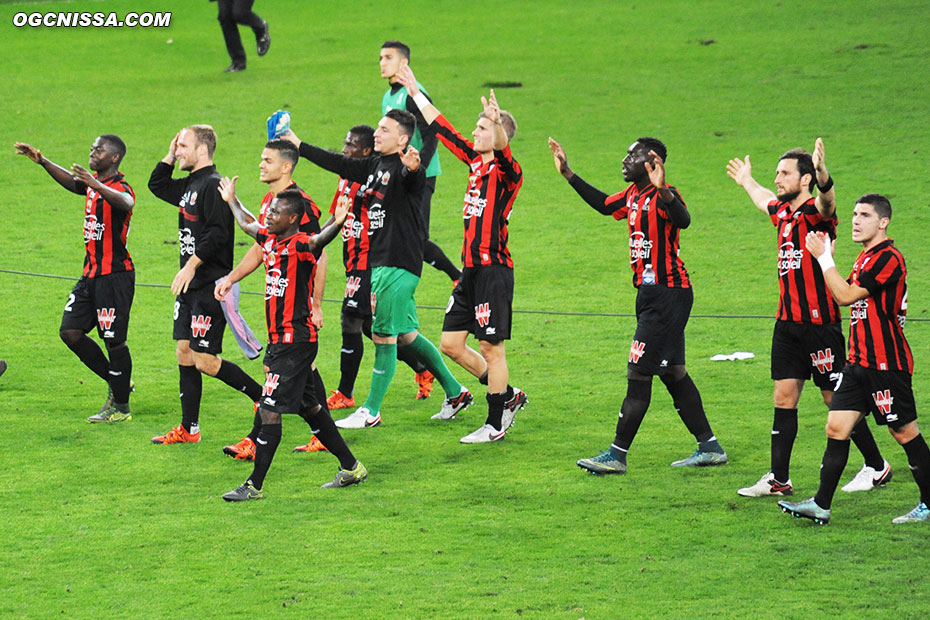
(794, 173)
(871, 217)
(195, 147)
(284, 212)
(634, 164)
(359, 142)
(394, 131)
(394, 55)
(106, 153)
(279, 157)
(484, 131)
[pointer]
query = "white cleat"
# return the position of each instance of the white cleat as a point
(361, 418)
(485, 434)
(511, 408)
(868, 479)
(768, 487)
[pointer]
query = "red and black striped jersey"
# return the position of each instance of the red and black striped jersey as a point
(653, 236)
(492, 188)
(289, 269)
(355, 241)
(876, 323)
(309, 223)
(105, 230)
(803, 293)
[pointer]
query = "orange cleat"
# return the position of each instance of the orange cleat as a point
(338, 400)
(424, 384)
(178, 434)
(242, 451)
(315, 445)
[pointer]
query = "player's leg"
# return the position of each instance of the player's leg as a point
(227, 19)
(432, 253)
(918, 458)
(690, 408)
(78, 318)
(350, 360)
(190, 381)
(458, 398)
(113, 300)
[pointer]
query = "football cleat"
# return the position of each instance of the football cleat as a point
(766, 487)
(512, 406)
(109, 402)
(603, 463)
(315, 445)
(112, 414)
(361, 418)
(348, 477)
(700, 458)
(243, 493)
(451, 406)
(338, 400)
(485, 434)
(869, 478)
(424, 384)
(920, 513)
(241, 451)
(807, 509)
(178, 434)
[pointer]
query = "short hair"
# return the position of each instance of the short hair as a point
(293, 201)
(805, 164)
(286, 149)
(508, 121)
(881, 204)
(366, 133)
(116, 145)
(407, 121)
(397, 45)
(205, 135)
(654, 144)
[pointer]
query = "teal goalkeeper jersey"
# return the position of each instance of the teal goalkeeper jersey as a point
(398, 101)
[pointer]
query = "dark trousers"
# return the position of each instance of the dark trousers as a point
(232, 13)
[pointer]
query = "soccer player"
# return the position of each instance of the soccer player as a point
(392, 181)
(205, 240)
(877, 376)
(482, 301)
(394, 56)
(103, 295)
(231, 14)
(807, 340)
(655, 213)
(290, 258)
(276, 169)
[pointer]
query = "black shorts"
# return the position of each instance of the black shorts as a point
(886, 394)
(661, 316)
(199, 318)
(356, 302)
(805, 350)
(482, 303)
(289, 380)
(104, 301)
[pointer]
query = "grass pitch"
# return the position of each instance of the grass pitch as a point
(100, 523)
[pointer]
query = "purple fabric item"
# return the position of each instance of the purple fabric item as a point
(246, 339)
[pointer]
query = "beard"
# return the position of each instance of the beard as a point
(788, 196)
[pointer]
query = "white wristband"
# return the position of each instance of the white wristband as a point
(421, 100)
(826, 261)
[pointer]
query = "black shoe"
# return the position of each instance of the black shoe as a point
(234, 67)
(263, 40)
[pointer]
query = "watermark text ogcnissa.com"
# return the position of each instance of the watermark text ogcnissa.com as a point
(92, 20)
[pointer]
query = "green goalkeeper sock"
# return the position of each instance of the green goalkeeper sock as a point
(429, 355)
(381, 375)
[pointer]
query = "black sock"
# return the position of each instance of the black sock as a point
(235, 377)
(91, 354)
(784, 432)
(483, 379)
(256, 426)
(865, 442)
(265, 446)
(834, 462)
(407, 356)
(632, 412)
(120, 373)
(322, 425)
(918, 457)
(350, 360)
(319, 389)
(433, 255)
(191, 384)
(495, 409)
(688, 404)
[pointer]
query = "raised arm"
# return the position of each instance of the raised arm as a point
(821, 248)
(160, 182)
(493, 112)
(826, 199)
(409, 81)
(675, 208)
(590, 194)
(244, 219)
(353, 168)
(61, 175)
(121, 200)
(741, 171)
(333, 227)
(249, 263)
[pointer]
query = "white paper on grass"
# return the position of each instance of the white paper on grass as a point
(732, 357)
